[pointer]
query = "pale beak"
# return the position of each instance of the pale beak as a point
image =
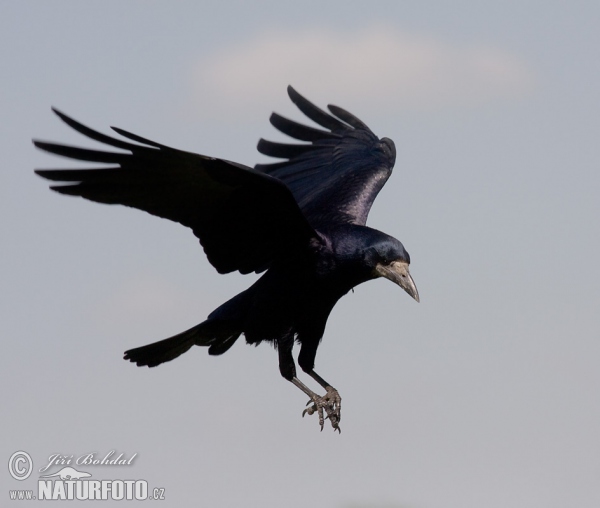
(397, 271)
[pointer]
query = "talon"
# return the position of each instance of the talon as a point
(309, 410)
(328, 407)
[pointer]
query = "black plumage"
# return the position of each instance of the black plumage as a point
(302, 220)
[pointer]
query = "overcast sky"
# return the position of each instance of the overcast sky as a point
(486, 394)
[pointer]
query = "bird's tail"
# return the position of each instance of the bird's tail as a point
(217, 335)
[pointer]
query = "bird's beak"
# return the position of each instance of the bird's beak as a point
(397, 271)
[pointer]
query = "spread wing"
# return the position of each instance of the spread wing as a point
(336, 177)
(244, 218)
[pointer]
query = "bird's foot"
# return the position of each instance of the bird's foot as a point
(329, 404)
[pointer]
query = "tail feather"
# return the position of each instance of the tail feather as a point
(219, 336)
(222, 345)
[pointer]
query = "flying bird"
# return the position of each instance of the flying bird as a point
(301, 221)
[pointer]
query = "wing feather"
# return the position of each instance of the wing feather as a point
(299, 131)
(244, 219)
(337, 176)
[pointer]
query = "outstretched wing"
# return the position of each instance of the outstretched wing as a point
(243, 218)
(336, 177)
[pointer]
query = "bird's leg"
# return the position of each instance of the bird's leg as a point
(329, 404)
(321, 405)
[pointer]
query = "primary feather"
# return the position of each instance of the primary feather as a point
(336, 177)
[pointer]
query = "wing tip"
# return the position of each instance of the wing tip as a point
(295, 96)
(316, 114)
(43, 145)
(53, 174)
(58, 112)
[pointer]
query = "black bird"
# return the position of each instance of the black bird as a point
(301, 220)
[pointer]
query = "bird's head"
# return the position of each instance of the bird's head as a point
(371, 254)
(387, 257)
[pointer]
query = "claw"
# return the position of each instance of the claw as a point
(309, 410)
(328, 407)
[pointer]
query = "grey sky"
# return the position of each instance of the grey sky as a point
(483, 395)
